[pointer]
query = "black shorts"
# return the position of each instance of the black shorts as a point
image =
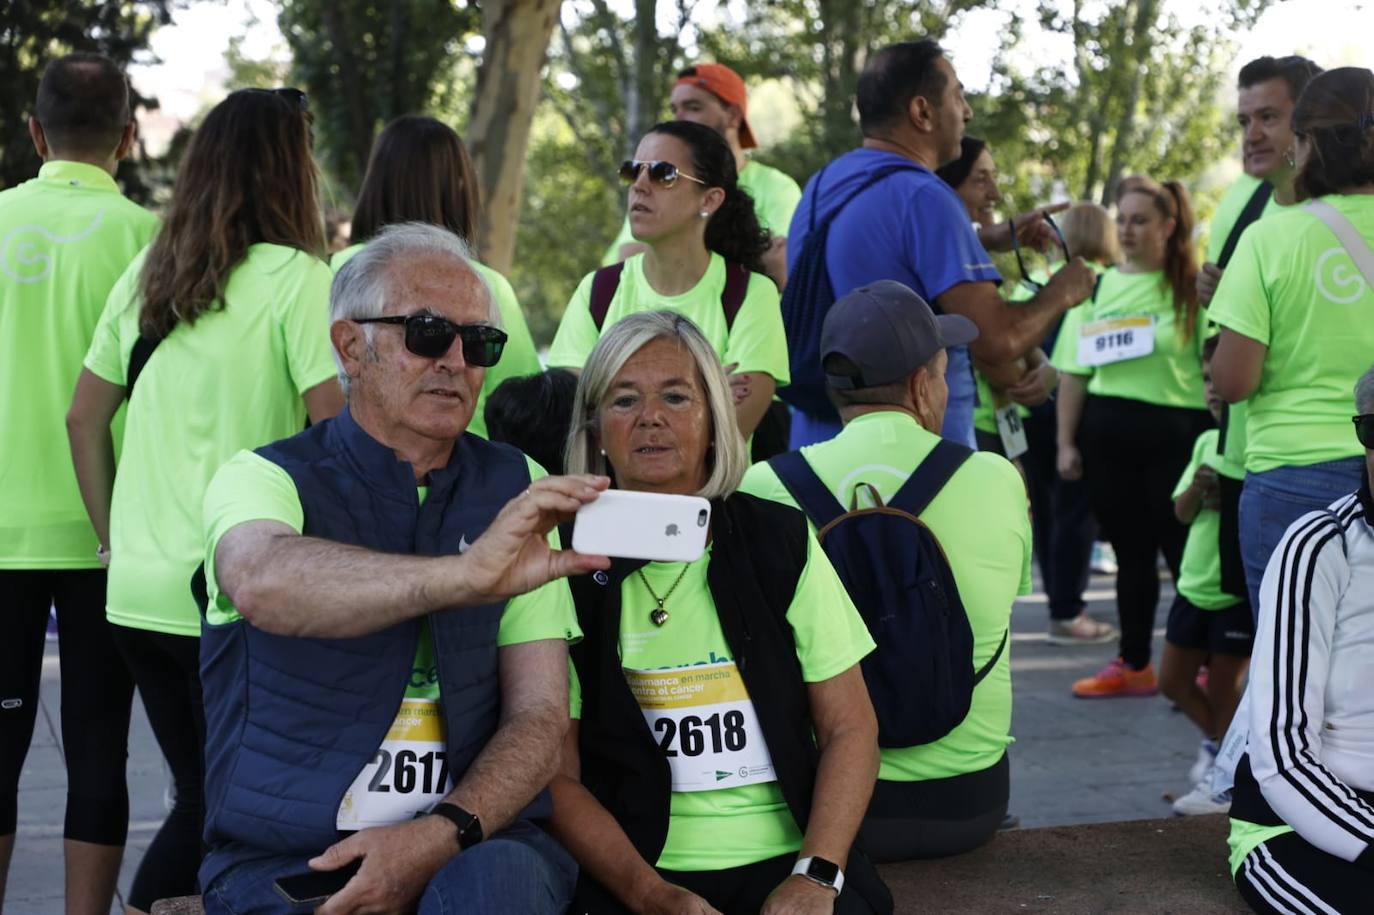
(1230, 631)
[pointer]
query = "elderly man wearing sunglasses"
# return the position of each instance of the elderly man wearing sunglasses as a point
(385, 658)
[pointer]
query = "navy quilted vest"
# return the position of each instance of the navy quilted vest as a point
(292, 721)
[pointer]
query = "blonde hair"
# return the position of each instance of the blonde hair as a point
(726, 457)
(1090, 234)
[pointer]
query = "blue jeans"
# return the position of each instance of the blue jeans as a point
(1273, 499)
(520, 869)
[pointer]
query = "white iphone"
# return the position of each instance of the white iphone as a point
(643, 525)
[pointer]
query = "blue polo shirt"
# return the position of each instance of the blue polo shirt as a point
(910, 227)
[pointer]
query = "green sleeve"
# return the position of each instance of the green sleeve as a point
(762, 481)
(246, 488)
(1065, 355)
(105, 357)
(547, 612)
(831, 636)
(1242, 299)
(1199, 452)
(304, 328)
(574, 692)
(577, 333)
(757, 340)
(775, 211)
(612, 255)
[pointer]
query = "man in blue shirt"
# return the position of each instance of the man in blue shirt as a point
(912, 227)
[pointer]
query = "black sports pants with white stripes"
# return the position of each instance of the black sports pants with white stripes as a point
(1287, 875)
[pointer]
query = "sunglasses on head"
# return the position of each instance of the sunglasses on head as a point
(294, 97)
(1020, 262)
(431, 336)
(1364, 429)
(661, 173)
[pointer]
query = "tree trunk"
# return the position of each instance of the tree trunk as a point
(361, 117)
(1125, 132)
(640, 111)
(517, 38)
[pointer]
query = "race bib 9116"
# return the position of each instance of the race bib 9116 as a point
(1116, 340)
(705, 723)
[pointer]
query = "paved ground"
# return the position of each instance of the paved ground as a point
(1074, 761)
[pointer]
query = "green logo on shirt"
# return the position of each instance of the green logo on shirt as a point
(721, 776)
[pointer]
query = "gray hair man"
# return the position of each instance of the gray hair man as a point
(883, 352)
(386, 621)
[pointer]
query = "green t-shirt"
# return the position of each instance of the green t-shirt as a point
(232, 380)
(1199, 576)
(1170, 376)
(732, 827)
(65, 238)
(982, 521)
(756, 340)
(1228, 211)
(518, 359)
(775, 195)
(1292, 286)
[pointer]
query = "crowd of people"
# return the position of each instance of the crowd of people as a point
(325, 540)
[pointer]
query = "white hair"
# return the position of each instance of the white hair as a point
(727, 460)
(1364, 392)
(364, 285)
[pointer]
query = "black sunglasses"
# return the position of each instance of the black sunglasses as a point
(1021, 263)
(660, 172)
(1364, 429)
(431, 336)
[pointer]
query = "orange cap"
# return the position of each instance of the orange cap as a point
(726, 85)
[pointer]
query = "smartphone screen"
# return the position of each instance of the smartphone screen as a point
(314, 887)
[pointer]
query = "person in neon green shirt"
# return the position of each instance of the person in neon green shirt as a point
(948, 796)
(1131, 399)
(1293, 310)
(419, 171)
(235, 291)
(714, 95)
(706, 682)
(65, 238)
(686, 205)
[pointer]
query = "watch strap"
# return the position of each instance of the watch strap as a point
(817, 870)
(469, 826)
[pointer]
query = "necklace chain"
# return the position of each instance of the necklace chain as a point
(659, 616)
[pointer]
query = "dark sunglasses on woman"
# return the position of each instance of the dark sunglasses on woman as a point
(431, 336)
(661, 173)
(1364, 429)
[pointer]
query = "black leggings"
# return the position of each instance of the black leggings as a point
(97, 694)
(908, 821)
(167, 671)
(1133, 455)
(1061, 519)
(1287, 875)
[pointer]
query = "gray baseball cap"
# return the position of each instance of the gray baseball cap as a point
(888, 332)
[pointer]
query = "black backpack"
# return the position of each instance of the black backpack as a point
(921, 676)
(807, 298)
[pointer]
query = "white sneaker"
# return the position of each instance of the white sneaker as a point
(1206, 756)
(1201, 800)
(1103, 561)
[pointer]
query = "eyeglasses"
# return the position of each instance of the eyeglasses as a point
(661, 173)
(1364, 429)
(1021, 263)
(431, 336)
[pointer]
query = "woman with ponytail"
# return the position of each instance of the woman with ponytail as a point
(1131, 407)
(702, 259)
(1296, 312)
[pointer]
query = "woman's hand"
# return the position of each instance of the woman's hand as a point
(1069, 462)
(799, 896)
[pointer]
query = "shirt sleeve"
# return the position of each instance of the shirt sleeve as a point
(1303, 587)
(831, 636)
(1065, 354)
(305, 329)
(757, 340)
(547, 612)
(248, 487)
(1241, 302)
(577, 333)
(775, 211)
(574, 692)
(947, 252)
(105, 357)
(1199, 451)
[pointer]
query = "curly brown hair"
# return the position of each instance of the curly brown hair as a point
(248, 177)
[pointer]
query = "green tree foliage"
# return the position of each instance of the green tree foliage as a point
(363, 63)
(34, 32)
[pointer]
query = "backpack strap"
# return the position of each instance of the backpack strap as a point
(814, 497)
(732, 296)
(869, 180)
(1254, 208)
(143, 348)
(1347, 235)
(930, 477)
(992, 662)
(604, 284)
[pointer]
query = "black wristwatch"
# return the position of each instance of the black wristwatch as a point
(469, 826)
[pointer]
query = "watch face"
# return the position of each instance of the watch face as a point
(823, 870)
